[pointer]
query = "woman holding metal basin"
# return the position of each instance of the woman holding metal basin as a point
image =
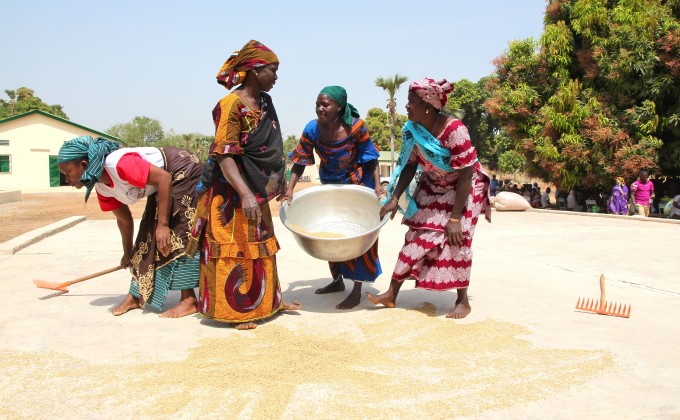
(348, 156)
(452, 192)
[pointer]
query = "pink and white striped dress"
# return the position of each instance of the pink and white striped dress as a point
(427, 254)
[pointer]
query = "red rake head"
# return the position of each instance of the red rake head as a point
(613, 309)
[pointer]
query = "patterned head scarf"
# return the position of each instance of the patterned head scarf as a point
(94, 150)
(434, 93)
(620, 180)
(253, 55)
(339, 95)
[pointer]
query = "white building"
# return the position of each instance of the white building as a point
(29, 144)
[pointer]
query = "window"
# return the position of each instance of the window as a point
(5, 167)
(4, 142)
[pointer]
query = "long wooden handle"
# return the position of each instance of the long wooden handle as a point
(602, 294)
(91, 276)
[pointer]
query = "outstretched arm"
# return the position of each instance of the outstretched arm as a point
(126, 227)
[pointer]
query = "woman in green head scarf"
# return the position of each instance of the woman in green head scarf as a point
(166, 177)
(348, 156)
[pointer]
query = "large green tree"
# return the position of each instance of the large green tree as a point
(382, 130)
(24, 100)
(391, 86)
(467, 102)
(598, 96)
(141, 131)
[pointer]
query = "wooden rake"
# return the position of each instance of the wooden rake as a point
(601, 307)
(61, 288)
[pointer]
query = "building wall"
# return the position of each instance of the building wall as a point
(32, 139)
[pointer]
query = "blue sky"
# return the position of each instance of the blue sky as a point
(107, 62)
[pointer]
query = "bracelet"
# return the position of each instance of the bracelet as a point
(394, 198)
(451, 219)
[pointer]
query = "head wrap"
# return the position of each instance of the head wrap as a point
(339, 95)
(94, 150)
(253, 55)
(620, 180)
(434, 93)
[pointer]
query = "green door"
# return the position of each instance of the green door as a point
(54, 172)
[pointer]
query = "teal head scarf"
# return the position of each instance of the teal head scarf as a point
(339, 95)
(94, 150)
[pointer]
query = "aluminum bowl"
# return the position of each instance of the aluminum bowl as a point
(349, 210)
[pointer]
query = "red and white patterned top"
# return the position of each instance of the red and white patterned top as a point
(128, 169)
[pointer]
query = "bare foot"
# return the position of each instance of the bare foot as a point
(293, 306)
(337, 285)
(185, 307)
(246, 326)
(460, 311)
(130, 302)
(353, 299)
(383, 299)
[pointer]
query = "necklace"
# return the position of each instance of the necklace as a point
(334, 135)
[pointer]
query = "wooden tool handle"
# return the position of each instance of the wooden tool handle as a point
(602, 294)
(91, 276)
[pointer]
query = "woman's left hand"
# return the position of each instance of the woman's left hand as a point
(163, 240)
(454, 232)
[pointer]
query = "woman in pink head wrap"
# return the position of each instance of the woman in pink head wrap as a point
(450, 195)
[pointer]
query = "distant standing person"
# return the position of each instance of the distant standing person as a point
(493, 185)
(642, 191)
(618, 202)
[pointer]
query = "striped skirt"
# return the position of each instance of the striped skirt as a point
(180, 274)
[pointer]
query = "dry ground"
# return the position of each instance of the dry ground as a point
(41, 209)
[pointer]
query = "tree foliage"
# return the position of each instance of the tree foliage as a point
(141, 131)
(289, 144)
(598, 96)
(467, 101)
(23, 100)
(379, 128)
(196, 142)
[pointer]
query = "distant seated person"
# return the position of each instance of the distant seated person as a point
(545, 199)
(675, 208)
(535, 201)
(572, 203)
(526, 193)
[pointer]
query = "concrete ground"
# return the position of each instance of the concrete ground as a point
(524, 351)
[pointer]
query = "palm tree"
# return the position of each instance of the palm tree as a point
(391, 85)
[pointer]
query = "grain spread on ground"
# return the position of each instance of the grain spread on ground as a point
(419, 365)
(321, 234)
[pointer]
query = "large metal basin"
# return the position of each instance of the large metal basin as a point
(348, 210)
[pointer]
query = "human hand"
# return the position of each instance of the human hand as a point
(163, 240)
(390, 208)
(454, 232)
(380, 191)
(288, 196)
(125, 260)
(250, 207)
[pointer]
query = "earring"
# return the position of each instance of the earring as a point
(427, 111)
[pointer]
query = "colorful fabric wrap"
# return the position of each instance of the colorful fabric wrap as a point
(95, 150)
(434, 93)
(253, 55)
(339, 95)
(415, 135)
